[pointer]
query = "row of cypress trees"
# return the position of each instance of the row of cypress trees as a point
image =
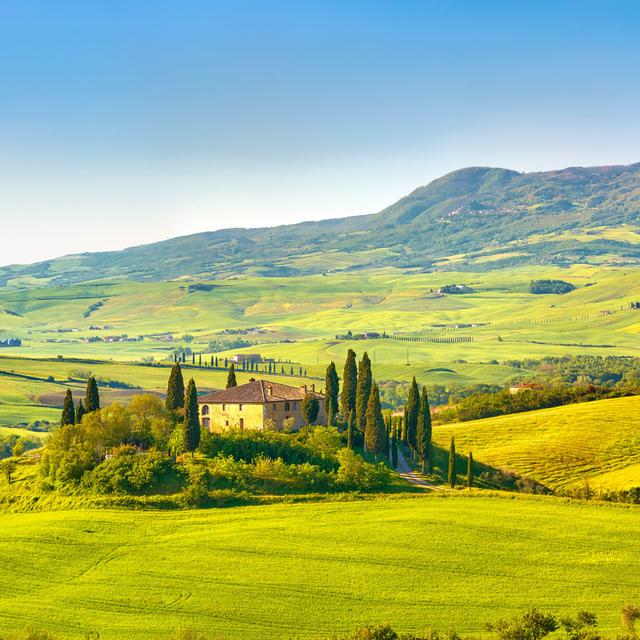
(72, 414)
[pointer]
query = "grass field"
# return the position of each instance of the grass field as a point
(559, 447)
(300, 571)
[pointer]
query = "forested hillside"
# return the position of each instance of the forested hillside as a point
(482, 214)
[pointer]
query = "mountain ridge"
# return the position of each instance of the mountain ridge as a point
(465, 211)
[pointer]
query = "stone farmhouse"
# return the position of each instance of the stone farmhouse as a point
(251, 405)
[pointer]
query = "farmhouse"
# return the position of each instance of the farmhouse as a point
(251, 405)
(246, 357)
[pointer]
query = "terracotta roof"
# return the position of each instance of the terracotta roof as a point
(257, 392)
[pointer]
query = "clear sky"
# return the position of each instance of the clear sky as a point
(125, 122)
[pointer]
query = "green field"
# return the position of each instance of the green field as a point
(562, 447)
(289, 571)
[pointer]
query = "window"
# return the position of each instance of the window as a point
(240, 407)
(205, 410)
(286, 406)
(295, 406)
(241, 423)
(226, 423)
(224, 407)
(274, 406)
(205, 422)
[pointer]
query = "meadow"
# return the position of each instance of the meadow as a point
(563, 447)
(309, 570)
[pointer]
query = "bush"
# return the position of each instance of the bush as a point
(128, 472)
(248, 446)
(355, 473)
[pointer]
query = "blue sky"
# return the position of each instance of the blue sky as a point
(128, 122)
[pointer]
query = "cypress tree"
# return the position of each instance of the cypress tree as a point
(374, 433)
(68, 410)
(80, 411)
(193, 358)
(413, 408)
(404, 426)
(351, 429)
(423, 430)
(329, 414)
(331, 388)
(226, 363)
(349, 384)
(385, 442)
(231, 378)
(470, 470)
(394, 449)
(92, 397)
(200, 360)
(191, 424)
(310, 407)
(452, 464)
(363, 390)
(175, 389)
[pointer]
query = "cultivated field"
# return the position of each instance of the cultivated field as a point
(304, 570)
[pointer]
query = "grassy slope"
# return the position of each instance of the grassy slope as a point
(294, 570)
(559, 447)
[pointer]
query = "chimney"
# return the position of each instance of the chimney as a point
(269, 390)
(303, 388)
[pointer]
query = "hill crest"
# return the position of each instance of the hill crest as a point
(475, 209)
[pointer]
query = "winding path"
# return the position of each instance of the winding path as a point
(405, 472)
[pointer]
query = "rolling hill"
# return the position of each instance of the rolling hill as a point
(563, 447)
(558, 217)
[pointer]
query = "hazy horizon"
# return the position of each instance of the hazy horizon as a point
(130, 124)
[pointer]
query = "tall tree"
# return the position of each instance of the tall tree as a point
(92, 397)
(191, 424)
(470, 470)
(231, 377)
(423, 430)
(452, 464)
(363, 390)
(310, 408)
(68, 410)
(175, 389)
(394, 447)
(404, 426)
(349, 384)
(329, 410)
(351, 429)
(375, 432)
(80, 411)
(331, 388)
(413, 408)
